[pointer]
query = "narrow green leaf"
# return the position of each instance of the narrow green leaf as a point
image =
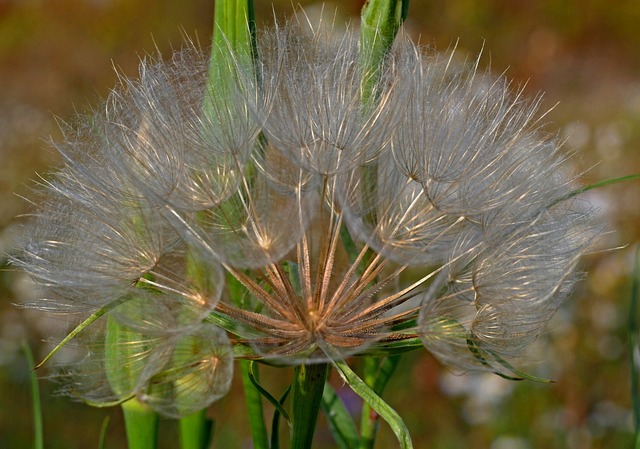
(141, 424)
(277, 405)
(517, 372)
(293, 272)
(482, 356)
(382, 408)
(196, 431)
(478, 354)
(38, 434)
(393, 348)
(377, 373)
(369, 421)
(599, 184)
(109, 403)
(380, 22)
(634, 345)
(370, 397)
(232, 326)
(275, 423)
(103, 433)
(341, 423)
(93, 317)
(253, 399)
(386, 369)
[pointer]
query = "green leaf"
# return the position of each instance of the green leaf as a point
(275, 423)
(599, 184)
(234, 29)
(370, 397)
(93, 317)
(522, 375)
(277, 405)
(392, 348)
(482, 355)
(232, 326)
(377, 373)
(386, 368)
(255, 413)
(341, 423)
(38, 434)
(404, 340)
(103, 433)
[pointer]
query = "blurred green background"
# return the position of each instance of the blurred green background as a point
(57, 59)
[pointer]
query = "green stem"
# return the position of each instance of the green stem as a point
(141, 424)
(195, 431)
(306, 398)
(38, 434)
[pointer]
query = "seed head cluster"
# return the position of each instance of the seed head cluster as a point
(309, 207)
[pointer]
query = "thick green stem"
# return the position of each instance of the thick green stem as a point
(195, 431)
(141, 424)
(306, 398)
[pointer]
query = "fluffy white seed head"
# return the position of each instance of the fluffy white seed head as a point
(295, 211)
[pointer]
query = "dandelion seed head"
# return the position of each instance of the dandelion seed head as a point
(289, 211)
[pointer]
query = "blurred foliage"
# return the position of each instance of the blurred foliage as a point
(57, 59)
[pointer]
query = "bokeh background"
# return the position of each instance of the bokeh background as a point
(57, 59)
